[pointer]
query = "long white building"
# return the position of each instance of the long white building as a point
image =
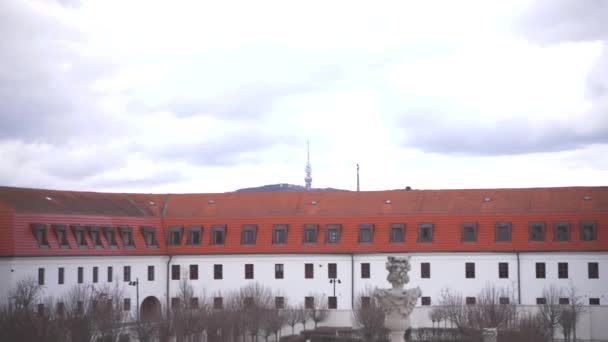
(302, 243)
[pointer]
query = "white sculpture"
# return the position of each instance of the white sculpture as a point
(397, 301)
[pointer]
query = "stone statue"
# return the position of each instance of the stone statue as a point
(397, 301)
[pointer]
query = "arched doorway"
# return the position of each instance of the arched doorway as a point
(150, 309)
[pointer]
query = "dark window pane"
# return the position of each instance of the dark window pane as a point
(564, 301)
(588, 231)
(365, 270)
(541, 301)
(425, 301)
(561, 231)
(248, 271)
(332, 270)
(278, 271)
(279, 303)
(218, 303)
(308, 271)
(562, 270)
(503, 270)
(471, 300)
(80, 275)
(470, 270)
(594, 301)
(503, 300)
(332, 302)
(41, 276)
(151, 273)
(425, 270)
(60, 275)
(95, 274)
(175, 272)
(110, 274)
(593, 270)
(309, 302)
(536, 231)
(218, 271)
(127, 273)
(193, 272)
(540, 270)
(503, 231)
(469, 232)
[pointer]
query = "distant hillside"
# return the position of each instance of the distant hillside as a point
(284, 187)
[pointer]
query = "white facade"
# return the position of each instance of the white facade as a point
(447, 271)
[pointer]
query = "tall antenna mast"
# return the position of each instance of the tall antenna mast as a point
(357, 177)
(308, 178)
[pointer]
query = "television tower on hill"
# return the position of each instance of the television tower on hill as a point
(308, 178)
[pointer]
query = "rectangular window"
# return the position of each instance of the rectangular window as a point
(540, 270)
(332, 233)
(309, 271)
(562, 270)
(110, 234)
(425, 232)
(561, 231)
(248, 234)
(471, 300)
(149, 234)
(468, 232)
(110, 274)
(588, 231)
(470, 270)
(248, 271)
(593, 270)
(503, 231)
(310, 233)
(332, 270)
(195, 235)
(175, 235)
(39, 230)
(279, 303)
(94, 235)
(218, 234)
(175, 272)
(503, 270)
(40, 276)
(365, 271)
(193, 302)
(218, 303)
(95, 274)
(151, 273)
(79, 235)
(80, 275)
(503, 300)
(366, 302)
(564, 301)
(536, 231)
(126, 306)
(425, 301)
(332, 302)
(80, 307)
(61, 235)
(425, 270)
(278, 271)
(541, 301)
(60, 309)
(218, 271)
(126, 270)
(366, 233)
(126, 234)
(40, 310)
(594, 301)
(60, 275)
(309, 302)
(279, 234)
(175, 302)
(193, 272)
(397, 232)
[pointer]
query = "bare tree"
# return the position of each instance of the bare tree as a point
(551, 310)
(188, 313)
(490, 312)
(368, 315)
(254, 300)
(303, 315)
(107, 314)
(319, 310)
(78, 312)
(576, 307)
(293, 316)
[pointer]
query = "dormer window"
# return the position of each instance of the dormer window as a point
(149, 234)
(175, 235)
(332, 233)
(310, 233)
(248, 234)
(502, 232)
(366, 233)
(94, 235)
(397, 232)
(126, 235)
(218, 234)
(561, 231)
(536, 231)
(425, 232)
(61, 235)
(588, 231)
(279, 234)
(79, 235)
(110, 234)
(39, 230)
(195, 235)
(469, 232)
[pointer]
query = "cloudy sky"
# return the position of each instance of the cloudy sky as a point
(211, 96)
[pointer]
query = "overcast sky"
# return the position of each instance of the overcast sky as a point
(212, 96)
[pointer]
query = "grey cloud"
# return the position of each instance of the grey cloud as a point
(143, 182)
(229, 150)
(433, 133)
(44, 80)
